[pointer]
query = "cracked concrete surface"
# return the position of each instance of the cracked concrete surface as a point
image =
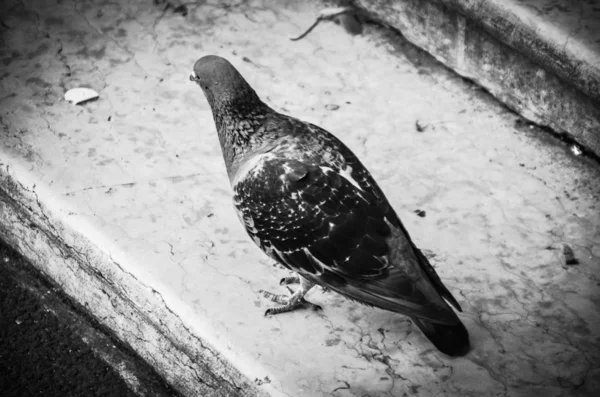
(134, 187)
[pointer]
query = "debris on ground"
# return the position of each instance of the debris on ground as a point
(429, 254)
(569, 255)
(80, 95)
(263, 381)
(177, 8)
(345, 16)
(420, 213)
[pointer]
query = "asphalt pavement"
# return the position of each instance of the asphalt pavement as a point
(49, 346)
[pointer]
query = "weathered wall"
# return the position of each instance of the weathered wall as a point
(537, 77)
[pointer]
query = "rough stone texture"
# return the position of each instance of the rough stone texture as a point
(541, 58)
(561, 35)
(127, 200)
(67, 249)
(49, 346)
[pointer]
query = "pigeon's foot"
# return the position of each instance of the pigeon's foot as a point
(278, 266)
(289, 280)
(293, 301)
(288, 303)
(295, 280)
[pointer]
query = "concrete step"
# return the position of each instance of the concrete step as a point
(539, 57)
(125, 203)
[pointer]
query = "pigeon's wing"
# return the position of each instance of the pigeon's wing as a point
(312, 219)
(330, 228)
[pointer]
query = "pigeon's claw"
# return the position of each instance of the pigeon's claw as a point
(314, 306)
(289, 280)
(301, 303)
(281, 299)
(295, 300)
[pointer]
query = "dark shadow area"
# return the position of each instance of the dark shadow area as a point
(42, 348)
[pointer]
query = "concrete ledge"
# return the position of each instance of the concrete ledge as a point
(539, 59)
(60, 245)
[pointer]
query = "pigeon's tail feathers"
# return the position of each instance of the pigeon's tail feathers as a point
(435, 279)
(452, 340)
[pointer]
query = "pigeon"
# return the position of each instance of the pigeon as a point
(309, 203)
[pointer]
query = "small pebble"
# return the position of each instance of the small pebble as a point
(420, 213)
(569, 256)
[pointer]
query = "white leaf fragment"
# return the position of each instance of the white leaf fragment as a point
(80, 95)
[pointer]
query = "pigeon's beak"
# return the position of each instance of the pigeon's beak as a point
(193, 77)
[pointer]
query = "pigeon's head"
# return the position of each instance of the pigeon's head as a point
(221, 83)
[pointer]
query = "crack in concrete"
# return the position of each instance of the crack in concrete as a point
(109, 188)
(575, 29)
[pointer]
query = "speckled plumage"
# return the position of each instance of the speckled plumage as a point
(307, 202)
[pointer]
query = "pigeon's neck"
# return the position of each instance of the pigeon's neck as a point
(240, 127)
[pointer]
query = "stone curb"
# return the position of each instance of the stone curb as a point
(533, 75)
(60, 244)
